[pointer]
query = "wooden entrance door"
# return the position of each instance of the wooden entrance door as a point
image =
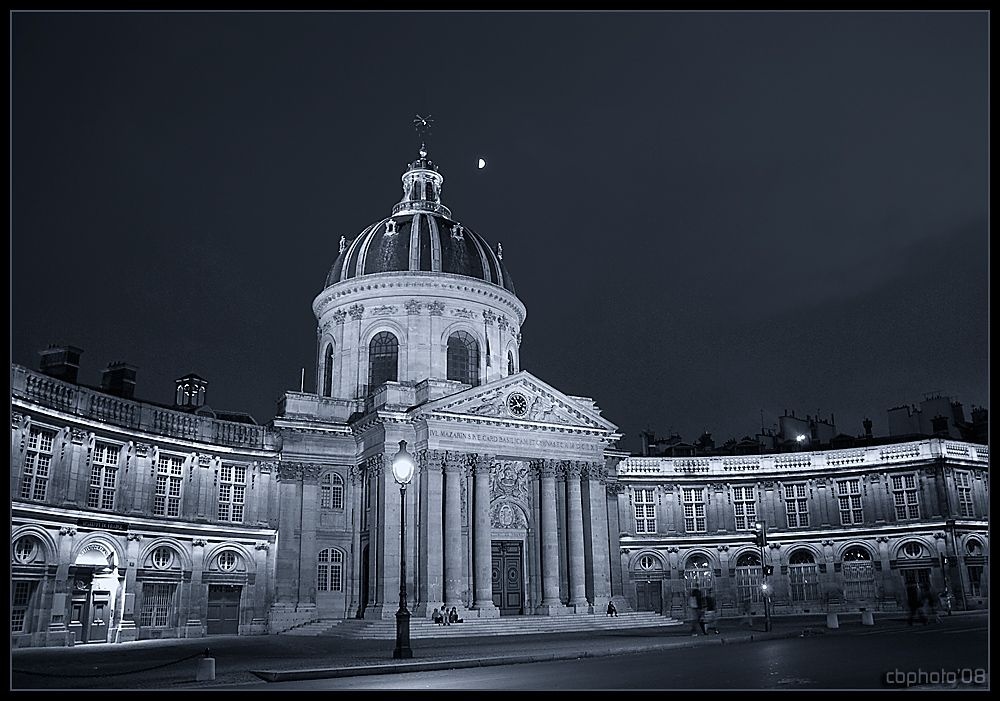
(508, 577)
(648, 596)
(223, 609)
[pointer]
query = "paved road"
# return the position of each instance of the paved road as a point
(173, 664)
(934, 657)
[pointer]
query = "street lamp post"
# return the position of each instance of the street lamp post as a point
(761, 528)
(402, 472)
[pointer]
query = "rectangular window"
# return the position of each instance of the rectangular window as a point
(645, 511)
(975, 580)
(849, 498)
(103, 476)
(745, 507)
(169, 472)
(694, 509)
(156, 603)
(20, 596)
(37, 460)
(904, 497)
(963, 480)
(232, 492)
(796, 505)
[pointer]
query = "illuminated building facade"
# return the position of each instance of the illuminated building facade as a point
(132, 520)
(847, 529)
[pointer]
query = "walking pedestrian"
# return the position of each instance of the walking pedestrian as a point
(914, 603)
(696, 603)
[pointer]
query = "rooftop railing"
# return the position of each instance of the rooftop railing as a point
(135, 415)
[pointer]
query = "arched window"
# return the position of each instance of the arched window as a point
(328, 371)
(698, 575)
(330, 570)
(748, 579)
(803, 576)
(510, 362)
(331, 491)
(463, 358)
(383, 360)
(859, 575)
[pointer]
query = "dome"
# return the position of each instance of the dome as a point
(420, 236)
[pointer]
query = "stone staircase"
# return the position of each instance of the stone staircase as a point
(385, 629)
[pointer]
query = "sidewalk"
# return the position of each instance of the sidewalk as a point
(174, 664)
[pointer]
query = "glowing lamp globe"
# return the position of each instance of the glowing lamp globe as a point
(402, 465)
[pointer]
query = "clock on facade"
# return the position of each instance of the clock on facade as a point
(517, 403)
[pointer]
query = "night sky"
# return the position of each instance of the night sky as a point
(712, 218)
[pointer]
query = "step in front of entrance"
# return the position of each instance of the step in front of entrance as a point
(506, 625)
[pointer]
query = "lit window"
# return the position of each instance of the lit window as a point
(645, 511)
(963, 481)
(167, 500)
(330, 570)
(859, 575)
(745, 507)
(463, 358)
(232, 492)
(103, 476)
(646, 562)
(904, 497)
(849, 498)
(698, 575)
(694, 509)
(796, 505)
(331, 491)
(37, 460)
(383, 360)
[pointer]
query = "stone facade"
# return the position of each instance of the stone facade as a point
(846, 529)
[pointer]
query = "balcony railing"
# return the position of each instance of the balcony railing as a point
(852, 458)
(130, 414)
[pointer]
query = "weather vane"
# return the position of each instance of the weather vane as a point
(423, 127)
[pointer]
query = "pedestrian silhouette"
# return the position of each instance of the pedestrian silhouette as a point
(697, 605)
(913, 601)
(612, 611)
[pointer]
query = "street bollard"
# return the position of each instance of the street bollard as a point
(206, 669)
(867, 619)
(831, 621)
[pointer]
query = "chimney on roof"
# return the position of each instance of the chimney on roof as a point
(119, 380)
(60, 362)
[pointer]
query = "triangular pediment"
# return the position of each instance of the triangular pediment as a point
(521, 398)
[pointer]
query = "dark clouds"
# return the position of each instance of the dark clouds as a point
(708, 215)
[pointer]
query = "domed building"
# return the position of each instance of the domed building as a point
(136, 520)
(418, 345)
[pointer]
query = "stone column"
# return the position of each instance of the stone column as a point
(549, 539)
(454, 473)
(432, 559)
(598, 553)
(574, 531)
(353, 575)
(482, 544)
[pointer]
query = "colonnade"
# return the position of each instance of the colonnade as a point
(566, 510)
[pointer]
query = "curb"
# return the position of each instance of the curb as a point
(438, 665)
